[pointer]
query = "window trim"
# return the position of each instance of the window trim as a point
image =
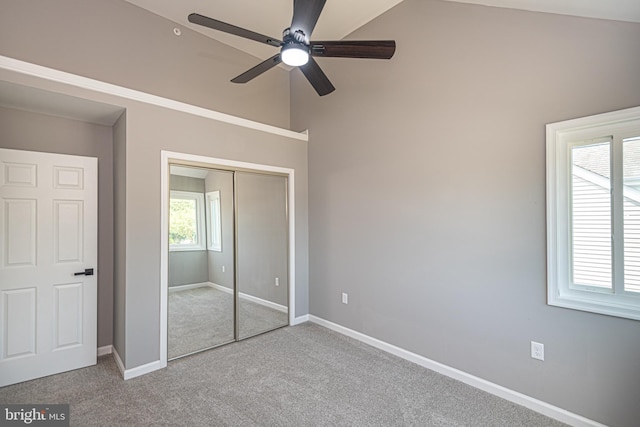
(200, 220)
(618, 125)
(214, 221)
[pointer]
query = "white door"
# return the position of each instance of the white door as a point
(48, 233)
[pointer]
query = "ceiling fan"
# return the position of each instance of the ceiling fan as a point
(297, 50)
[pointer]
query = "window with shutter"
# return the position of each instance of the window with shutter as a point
(593, 213)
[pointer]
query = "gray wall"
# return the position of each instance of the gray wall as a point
(120, 233)
(223, 182)
(427, 195)
(187, 267)
(186, 183)
(117, 42)
(23, 130)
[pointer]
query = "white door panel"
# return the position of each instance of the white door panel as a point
(19, 323)
(20, 232)
(68, 230)
(48, 225)
(67, 318)
(19, 174)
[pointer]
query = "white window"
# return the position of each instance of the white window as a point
(214, 221)
(593, 213)
(186, 221)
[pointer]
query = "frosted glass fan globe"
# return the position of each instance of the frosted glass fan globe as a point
(294, 55)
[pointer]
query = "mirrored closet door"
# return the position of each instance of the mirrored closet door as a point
(228, 257)
(262, 253)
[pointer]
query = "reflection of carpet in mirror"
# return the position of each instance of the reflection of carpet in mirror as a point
(202, 317)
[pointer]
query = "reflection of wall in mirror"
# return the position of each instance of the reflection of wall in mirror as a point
(262, 236)
(222, 181)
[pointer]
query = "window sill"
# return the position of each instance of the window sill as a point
(593, 305)
(187, 249)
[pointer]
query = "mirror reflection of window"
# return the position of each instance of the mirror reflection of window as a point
(186, 221)
(214, 221)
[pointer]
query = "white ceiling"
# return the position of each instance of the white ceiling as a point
(341, 17)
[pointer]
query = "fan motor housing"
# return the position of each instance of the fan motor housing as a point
(297, 36)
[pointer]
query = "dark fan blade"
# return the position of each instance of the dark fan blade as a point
(317, 78)
(374, 49)
(305, 15)
(232, 29)
(258, 69)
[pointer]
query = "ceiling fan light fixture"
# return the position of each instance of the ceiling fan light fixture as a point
(294, 54)
(296, 48)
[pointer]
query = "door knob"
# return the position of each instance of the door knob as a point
(86, 272)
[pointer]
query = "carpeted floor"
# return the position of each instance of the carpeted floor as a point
(295, 376)
(202, 317)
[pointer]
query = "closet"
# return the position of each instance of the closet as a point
(228, 256)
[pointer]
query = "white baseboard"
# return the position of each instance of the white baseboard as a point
(189, 286)
(104, 350)
(142, 369)
(251, 298)
(127, 374)
(118, 360)
(264, 302)
(495, 389)
(221, 288)
(300, 319)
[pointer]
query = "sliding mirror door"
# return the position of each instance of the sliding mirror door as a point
(201, 260)
(228, 257)
(262, 253)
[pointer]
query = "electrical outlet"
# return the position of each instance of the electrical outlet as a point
(537, 350)
(345, 298)
(277, 281)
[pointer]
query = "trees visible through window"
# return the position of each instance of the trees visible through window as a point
(186, 221)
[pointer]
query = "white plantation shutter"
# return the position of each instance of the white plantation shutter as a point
(591, 233)
(631, 177)
(631, 245)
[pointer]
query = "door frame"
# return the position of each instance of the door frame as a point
(170, 156)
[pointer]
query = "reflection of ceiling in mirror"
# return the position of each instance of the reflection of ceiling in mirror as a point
(188, 171)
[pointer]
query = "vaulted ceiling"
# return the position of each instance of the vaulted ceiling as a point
(268, 17)
(341, 17)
